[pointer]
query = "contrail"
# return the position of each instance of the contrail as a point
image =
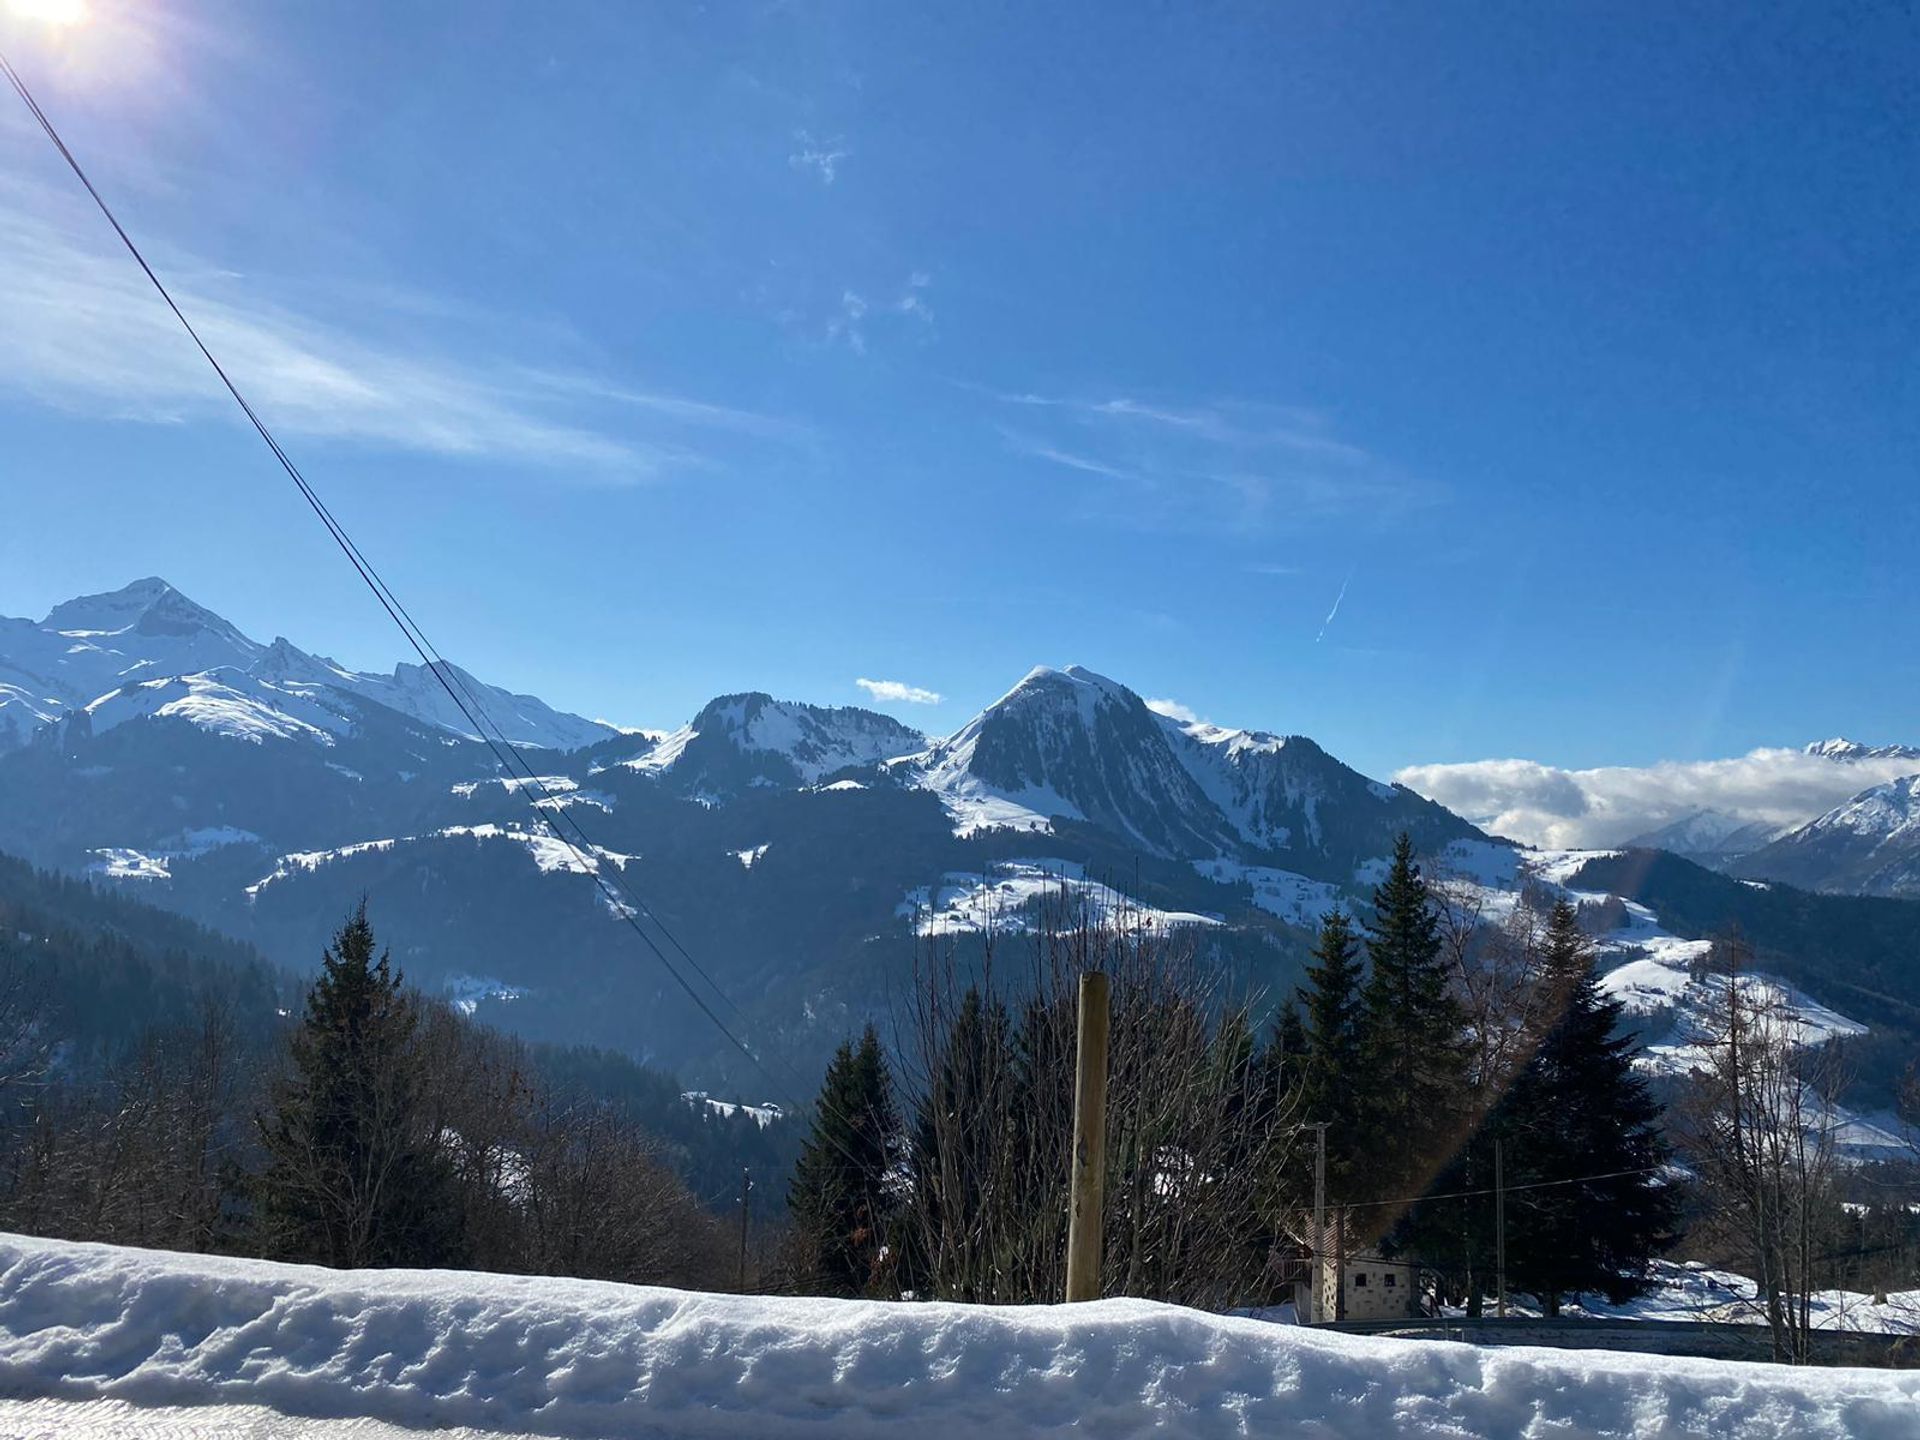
(1335, 610)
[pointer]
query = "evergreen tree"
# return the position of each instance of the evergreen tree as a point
(1287, 1056)
(839, 1194)
(1334, 1085)
(353, 1177)
(1578, 1108)
(1331, 1016)
(1411, 1037)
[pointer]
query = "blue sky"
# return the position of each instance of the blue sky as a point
(659, 352)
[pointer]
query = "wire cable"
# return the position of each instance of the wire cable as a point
(590, 858)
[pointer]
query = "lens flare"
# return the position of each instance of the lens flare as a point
(50, 12)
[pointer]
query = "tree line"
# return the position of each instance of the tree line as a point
(377, 1127)
(1417, 1040)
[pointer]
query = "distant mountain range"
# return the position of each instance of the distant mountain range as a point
(149, 650)
(802, 854)
(1868, 845)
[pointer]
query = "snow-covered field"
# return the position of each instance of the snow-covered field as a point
(1009, 898)
(1696, 1292)
(124, 1339)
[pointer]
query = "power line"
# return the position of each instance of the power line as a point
(589, 856)
(1510, 1189)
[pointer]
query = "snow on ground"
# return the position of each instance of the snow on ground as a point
(118, 862)
(1653, 974)
(271, 713)
(117, 1420)
(509, 1355)
(764, 1113)
(1004, 900)
(554, 792)
(1693, 1291)
(748, 856)
(1557, 867)
(973, 805)
(1294, 898)
(549, 854)
(466, 992)
(312, 860)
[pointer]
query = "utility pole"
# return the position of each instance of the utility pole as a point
(1317, 1306)
(1500, 1227)
(746, 1190)
(1089, 1141)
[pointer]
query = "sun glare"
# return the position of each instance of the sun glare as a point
(50, 12)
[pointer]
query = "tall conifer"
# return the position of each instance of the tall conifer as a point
(353, 1178)
(1412, 1044)
(839, 1195)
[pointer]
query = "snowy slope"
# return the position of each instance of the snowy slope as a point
(1070, 744)
(1711, 837)
(1868, 846)
(1073, 745)
(1653, 974)
(738, 742)
(580, 1359)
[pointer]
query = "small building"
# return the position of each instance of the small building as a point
(1375, 1288)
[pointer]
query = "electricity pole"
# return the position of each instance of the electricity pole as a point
(1500, 1227)
(1317, 1305)
(1089, 1141)
(746, 1189)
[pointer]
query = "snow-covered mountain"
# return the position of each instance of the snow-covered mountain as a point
(1072, 745)
(1712, 837)
(752, 740)
(146, 649)
(1868, 846)
(1841, 748)
(801, 851)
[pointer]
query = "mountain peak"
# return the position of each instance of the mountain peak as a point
(1841, 748)
(149, 606)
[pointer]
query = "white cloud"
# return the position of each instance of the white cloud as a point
(1173, 710)
(821, 157)
(1545, 805)
(897, 693)
(86, 333)
(846, 324)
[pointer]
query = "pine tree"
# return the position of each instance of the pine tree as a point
(1334, 1077)
(1330, 1002)
(1411, 1044)
(352, 1178)
(840, 1190)
(1287, 1056)
(1579, 1109)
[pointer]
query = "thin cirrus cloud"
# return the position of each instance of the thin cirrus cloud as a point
(86, 334)
(1232, 465)
(1546, 805)
(897, 692)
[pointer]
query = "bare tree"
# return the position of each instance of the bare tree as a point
(1197, 1130)
(1758, 1124)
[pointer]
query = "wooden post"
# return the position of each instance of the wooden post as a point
(746, 1189)
(1089, 1141)
(1340, 1265)
(1500, 1228)
(1317, 1306)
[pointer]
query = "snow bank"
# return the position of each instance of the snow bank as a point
(574, 1358)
